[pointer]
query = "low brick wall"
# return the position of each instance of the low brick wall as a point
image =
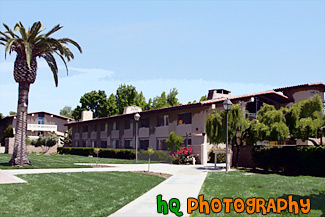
(9, 147)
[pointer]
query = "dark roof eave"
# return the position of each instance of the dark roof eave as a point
(319, 84)
(280, 97)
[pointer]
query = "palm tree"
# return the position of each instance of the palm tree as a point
(29, 45)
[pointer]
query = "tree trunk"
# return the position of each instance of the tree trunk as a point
(237, 155)
(314, 142)
(20, 149)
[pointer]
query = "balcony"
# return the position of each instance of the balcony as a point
(42, 127)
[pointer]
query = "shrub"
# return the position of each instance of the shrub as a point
(174, 141)
(46, 141)
(104, 152)
(8, 132)
(298, 160)
(183, 156)
(156, 156)
(221, 158)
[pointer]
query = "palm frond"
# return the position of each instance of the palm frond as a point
(5, 35)
(35, 30)
(33, 43)
(28, 51)
(68, 40)
(8, 45)
(49, 58)
(62, 58)
(10, 31)
(55, 28)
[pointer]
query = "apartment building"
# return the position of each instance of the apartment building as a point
(187, 120)
(38, 123)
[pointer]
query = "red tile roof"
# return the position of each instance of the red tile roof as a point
(270, 93)
(30, 113)
(320, 84)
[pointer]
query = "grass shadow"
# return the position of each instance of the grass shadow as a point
(317, 201)
(5, 164)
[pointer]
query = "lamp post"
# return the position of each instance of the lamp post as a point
(23, 109)
(227, 106)
(136, 118)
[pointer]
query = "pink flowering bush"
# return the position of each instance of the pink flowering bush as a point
(183, 156)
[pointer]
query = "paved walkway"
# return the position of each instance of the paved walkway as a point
(185, 182)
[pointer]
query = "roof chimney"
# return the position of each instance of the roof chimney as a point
(86, 115)
(218, 93)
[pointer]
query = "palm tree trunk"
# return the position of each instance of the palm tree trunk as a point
(20, 148)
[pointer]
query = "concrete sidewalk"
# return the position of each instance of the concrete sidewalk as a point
(7, 178)
(186, 182)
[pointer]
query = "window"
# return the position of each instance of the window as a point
(161, 144)
(128, 144)
(162, 120)
(144, 144)
(76, 143)
(128, 124)
(103, 144)
(115, 125)
(103, 127)
(115, 143)
(40, 119)
(85, 129)
(94, 144)
(189, 142)
(144, 122)
(95, 128)
(84, 144)
(76, 129)
(185, 118)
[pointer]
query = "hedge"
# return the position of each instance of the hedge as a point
(114, 153)
(221, 158)
(297, 160)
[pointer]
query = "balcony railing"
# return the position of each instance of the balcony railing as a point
(42, 127)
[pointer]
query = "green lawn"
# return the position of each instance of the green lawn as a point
(247, 185)
(61, 161)
(73, 194)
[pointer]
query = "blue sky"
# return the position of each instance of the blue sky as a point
(243, 46)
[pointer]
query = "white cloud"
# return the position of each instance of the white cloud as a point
(45, 96)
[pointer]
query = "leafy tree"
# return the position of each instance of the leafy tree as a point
(305, 119)
(76, 113)
(12, 113)
(150, 152)
(238, 127)
(172, 97)
(1, 116)
(160, 101)
(269, 125)
(7, 133)
(163, 100)
(66, 140)
(203, 98)
(96, 102)
(31, 44)
(66, 111)
(127, 95)
(96, 151)
(174, 141)
(112, 105)
(46, 141)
